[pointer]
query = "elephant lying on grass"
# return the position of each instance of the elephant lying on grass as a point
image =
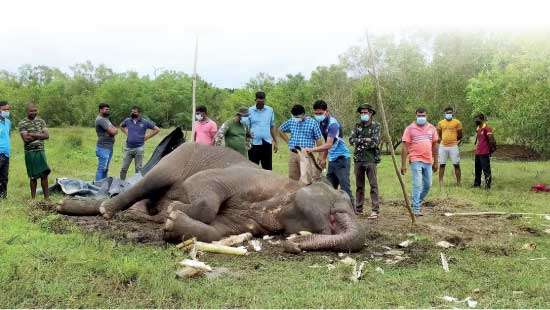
(212, 192)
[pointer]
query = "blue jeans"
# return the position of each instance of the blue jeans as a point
(338, 174)
(103, 160)
(421, 182)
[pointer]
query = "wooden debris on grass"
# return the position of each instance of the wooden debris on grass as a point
(529, 246)
(192, 268)
(444, 244)
(444, 262)
(406, 243)
(194, 245)
(474, 214)
(234, 239)
(255, 244)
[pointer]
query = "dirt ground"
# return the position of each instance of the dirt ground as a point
(513, 152)
(490, 234)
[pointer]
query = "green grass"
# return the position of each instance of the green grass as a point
(47, 262)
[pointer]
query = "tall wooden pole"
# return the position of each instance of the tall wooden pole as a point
(194, 89)
(387, 131)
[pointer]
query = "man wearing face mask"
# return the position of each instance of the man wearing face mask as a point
(334, 148)
(234, 133)
(263, 132)
(304, 133)
(450, 131)
(420, 146)
(106, 133)
(366, 139)
(135, 128)
(485, 146)
(5, 129)
(205, 128)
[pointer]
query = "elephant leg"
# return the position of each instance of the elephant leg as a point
(179, 224)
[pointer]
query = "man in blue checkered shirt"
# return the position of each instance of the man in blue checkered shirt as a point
(304, 133)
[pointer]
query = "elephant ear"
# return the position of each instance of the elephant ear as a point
(310, 171)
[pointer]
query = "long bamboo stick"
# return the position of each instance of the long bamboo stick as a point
(387, 131)
(194, 89)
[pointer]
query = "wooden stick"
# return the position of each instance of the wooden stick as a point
(194, 89)
(221, 249)
(387, 132)
(493, 214)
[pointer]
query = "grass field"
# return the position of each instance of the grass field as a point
(42, 265)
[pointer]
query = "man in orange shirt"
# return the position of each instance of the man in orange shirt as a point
(420, 142)
(450, 131)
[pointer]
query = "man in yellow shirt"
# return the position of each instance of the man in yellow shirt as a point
(450, 131)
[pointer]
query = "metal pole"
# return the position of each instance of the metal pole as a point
(387, 132)
(194, 89)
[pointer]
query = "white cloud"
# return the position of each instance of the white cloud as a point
(237, 38)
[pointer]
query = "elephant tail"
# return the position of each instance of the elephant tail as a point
(349, 237)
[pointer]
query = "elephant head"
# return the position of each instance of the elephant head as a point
(328, 213)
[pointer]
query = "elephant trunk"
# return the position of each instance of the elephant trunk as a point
(349, 237)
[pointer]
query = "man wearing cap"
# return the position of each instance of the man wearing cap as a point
(365, 137)
(304, 133)
(235, 133)
(263, 132)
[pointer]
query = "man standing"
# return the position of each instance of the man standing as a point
(5, 128)
(450, 132)
(334, 147)
(485, 146)
(263, 131)
(33, 131)
(420, 141)
(366, 139)
(304, 133)
(135, 128)
(205, 128)
(234, 133)
(106, 133)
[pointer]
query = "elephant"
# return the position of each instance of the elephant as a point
(211, 192)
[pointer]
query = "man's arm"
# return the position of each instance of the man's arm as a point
(153, 132)
(458, 136)
(404, 155)
(353, 136)
(283, 135)
(123, 127)
(44, 135)
(323, 147)
(274, 137)
(109, 127)
(220, 135)
(435, 149)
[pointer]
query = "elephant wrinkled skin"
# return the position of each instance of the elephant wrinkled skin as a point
(212, 192)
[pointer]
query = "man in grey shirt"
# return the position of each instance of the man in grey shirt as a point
(106, 133)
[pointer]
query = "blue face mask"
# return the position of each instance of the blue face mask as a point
(421, 120)
(320, 118)
(244, 120)
(448, 116)
(5, 114)
(365, 117)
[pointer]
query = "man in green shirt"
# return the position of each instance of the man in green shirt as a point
(33, 132)
(235, 133)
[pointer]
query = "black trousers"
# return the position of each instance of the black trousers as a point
(262, 154)
(4, 169)
(338, 174)
(483, 164)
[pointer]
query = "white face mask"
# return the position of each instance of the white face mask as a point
(198, 117)
(5, 114)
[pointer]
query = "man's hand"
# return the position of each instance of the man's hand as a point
(403, 170)
(321, 162)
(435, 166)
(307, 150)
(275, 147)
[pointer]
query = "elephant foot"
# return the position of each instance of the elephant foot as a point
(105, 210)
(291, 247)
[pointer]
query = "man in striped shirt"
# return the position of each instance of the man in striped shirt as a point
(420, 145)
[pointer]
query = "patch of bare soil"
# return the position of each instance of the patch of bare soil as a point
(383, 234)
(513, 152)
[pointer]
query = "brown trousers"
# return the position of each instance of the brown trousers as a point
(362, 168)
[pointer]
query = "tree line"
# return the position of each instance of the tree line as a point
(505, 76)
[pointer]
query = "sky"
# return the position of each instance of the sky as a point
(236, 39)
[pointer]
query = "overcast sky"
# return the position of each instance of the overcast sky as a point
(237, 39)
